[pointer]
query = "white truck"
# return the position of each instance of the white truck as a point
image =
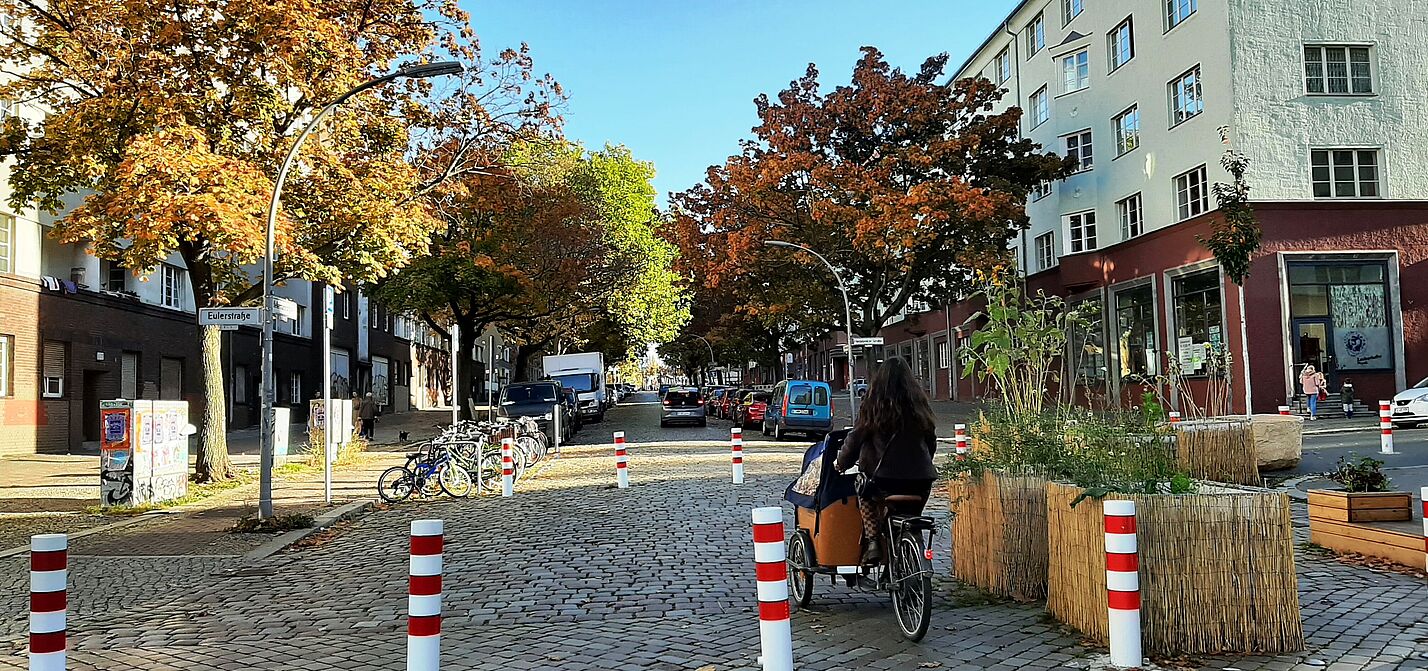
(585, 373)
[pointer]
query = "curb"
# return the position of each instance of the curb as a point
(349, 511)
(90, 531)
(1326, 432)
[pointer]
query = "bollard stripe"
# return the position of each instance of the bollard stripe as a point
(738, 460)
(426, 545)
(424, 625)
(45, 643)
(620, 452)
(1120, 524)
(773, 610)
(48, 561)
(48, 581)
(768, 533)
(1123, 600)
(1117, 561)
(772, 571)
(424, 585)
(45, 602)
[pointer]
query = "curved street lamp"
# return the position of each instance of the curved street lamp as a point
(711, 351)
(417, 71)
(847, 315)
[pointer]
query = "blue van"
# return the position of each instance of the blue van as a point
(804, 406)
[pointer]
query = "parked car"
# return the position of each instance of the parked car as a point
(726, 406)
(572, 408)
(663, 389)
(682, 405)
(753, 409)
(712, 397)
(1410, 406)
(805, 406)
(541, 401)
(860, 387)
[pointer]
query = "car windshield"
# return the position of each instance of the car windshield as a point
(576, 381)
(535, 393)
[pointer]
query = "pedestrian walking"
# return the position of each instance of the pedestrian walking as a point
(359, 429)
(1346, 396)
(369, 417)
(1312, 382)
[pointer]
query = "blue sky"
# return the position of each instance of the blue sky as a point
(674, 80)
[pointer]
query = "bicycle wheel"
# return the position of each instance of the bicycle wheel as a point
(455, 481)
(911, 585)
(526, 451)
(800, 581)
(490, 472)
(395, 484)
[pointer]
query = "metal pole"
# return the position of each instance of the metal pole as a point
(490, 377)
(329, 433)
(847, 314)
(455, 369)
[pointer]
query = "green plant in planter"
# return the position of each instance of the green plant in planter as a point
(1362, 474)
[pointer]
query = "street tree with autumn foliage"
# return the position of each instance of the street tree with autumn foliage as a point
(170, 120)
(906, 184)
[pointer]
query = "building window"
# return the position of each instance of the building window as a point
(1045, 250)
(7, 244)
(295, 326)
(1340, 315)
(1192, 194)
(1337, 70)
(1040, 191)
(1135, 333)
(1127, 126)
(1128, 210)
(129, 375)
(1088, 343)
(1075, 71)
(295, 388)
(1040, 107)
(1078, 149)
(944, 355)
(52, 369)
(8, 108)
(1120, 44)
(172, 286)
(347, 300)
(7, 364)
(170, 379)
(116, 276)
(1345, 173)
(1070, 9)
(1176, 11)
(240, 385)
(1035, 35)
(1186, 99)
(1004, 66)
(1199, 325)
(1081, 229)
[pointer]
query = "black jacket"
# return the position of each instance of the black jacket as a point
(902, 456)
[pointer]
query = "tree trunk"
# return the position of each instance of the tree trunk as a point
(213, 463)
(523, 359)
(465, 369)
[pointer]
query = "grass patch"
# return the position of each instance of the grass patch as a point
(349, 453)
(1314, 549)
(966, 596)
(273, 525)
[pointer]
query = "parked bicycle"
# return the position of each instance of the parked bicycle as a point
(464, 459)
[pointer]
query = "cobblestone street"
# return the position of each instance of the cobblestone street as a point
(575, 574)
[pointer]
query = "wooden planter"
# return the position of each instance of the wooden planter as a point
(999, 533)
(1342, 506)
(1216, 569)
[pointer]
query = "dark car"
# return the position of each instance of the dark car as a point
(663, 389)
(726, 407)
(572, 408)
(542, 401)
(682, 405)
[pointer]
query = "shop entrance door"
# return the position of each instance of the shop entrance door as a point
(1313, 344)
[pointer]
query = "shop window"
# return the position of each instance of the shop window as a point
(1088, 343)
(1135, 333)
(1340, 315)
(1199, 322)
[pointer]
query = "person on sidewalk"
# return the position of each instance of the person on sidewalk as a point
(892, 443)
(369, 417)
(1312, 381)
(359, 429)
(1346, 396)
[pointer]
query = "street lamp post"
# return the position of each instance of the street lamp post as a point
(419, 71)
(711, 351)
(847, 315)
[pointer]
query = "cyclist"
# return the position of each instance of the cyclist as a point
(892, 443)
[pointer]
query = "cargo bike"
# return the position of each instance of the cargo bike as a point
(827, 540)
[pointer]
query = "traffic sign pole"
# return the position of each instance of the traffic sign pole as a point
(329, 433)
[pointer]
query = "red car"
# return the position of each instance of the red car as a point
(728, 403)
(751, 413)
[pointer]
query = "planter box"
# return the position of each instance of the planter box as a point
(999, 533)
(1396, 546)
(1216, 569)
(1341, 506)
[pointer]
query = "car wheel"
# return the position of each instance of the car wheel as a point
(1404, 425)
(703, 422)
(765, 428)
(778, 431)
(663, 424)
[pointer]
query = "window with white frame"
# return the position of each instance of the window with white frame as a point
(7, 364)
(1345, 173)
(1040, 107)
(1192, 194)
(8, 108)
(295, 326)
(52, 368)
(1035, 36)
(1040, 191)
(1004, 67)
(1078, 149)
(295, 387)
(1336, 69)
(1135, 333)
(1127, 125)
(7, 244)
(116, 276)
(1128, 210)
(1071, 9)
(172, 281)
(1081, 231)
(1075, 71)
(1176, 11)
(1186, 99)
(347, 300)
(944, 355)
(1120, 44)
(1045, 246)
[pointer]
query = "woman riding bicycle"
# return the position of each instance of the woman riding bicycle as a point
(892, 442)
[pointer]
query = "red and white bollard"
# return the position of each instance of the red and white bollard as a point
(961, 445)
(1284, 410)
(49, 577)
(508, 468)
(424, 597)
(1122, 583)
(1423, 496)
(1385, 426)
(622, 474)
(775, 630)
(736, 446)
(1174, 417)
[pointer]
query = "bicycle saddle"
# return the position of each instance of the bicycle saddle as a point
(902, 498)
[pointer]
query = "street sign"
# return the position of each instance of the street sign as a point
(229, 319)
(285, 308)
(864, 342)
(327, 306)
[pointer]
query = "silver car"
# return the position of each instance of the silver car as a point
(682, 405)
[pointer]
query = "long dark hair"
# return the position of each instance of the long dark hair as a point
(895, 402)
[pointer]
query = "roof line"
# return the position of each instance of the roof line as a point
(1000, 29)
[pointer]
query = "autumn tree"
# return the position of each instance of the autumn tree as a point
(170, 119)
(904, 183)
